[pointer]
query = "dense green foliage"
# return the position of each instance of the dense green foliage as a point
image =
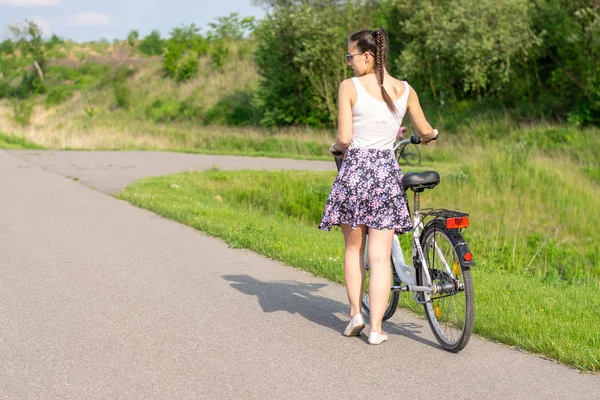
(300, 55)
(531, 58)
(182, 51)
(132, 37)
(152, 45)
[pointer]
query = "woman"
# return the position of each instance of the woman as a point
(367, 193)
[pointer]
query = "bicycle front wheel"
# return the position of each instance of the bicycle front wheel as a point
(451, 311)
(409, 154)
(392, 304)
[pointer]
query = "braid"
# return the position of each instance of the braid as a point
(380, 63)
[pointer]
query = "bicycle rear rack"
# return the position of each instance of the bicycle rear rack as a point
(442, 213)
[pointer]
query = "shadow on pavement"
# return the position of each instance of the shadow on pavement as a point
(304, 299)
(293, 297)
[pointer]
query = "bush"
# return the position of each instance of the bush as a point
(122, 94)
(169, 110)
(58, 95)
(132, 37)
(152, 45)
(163, 111)
(95, 70)
(87, 76)
(183, 49)
(7, 47)
(237, 109)
(53, 41)
(219, 52)
(187, 68)
(22, 112)
(31, 84)
(6, 90)
(123, 72)
(189, 110)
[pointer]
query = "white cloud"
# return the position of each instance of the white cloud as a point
(90, 18)
(29, 3)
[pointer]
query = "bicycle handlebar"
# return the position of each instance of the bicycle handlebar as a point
(414, 139)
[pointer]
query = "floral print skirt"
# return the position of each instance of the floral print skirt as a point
(368, 191)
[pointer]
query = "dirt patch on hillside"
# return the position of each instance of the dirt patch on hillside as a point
(114, 59)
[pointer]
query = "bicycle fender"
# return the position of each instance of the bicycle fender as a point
(461, 249)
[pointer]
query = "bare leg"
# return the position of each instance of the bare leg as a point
(354, 265)
(380, 249)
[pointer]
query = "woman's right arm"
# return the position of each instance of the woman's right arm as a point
(344, 136)
(417, 117)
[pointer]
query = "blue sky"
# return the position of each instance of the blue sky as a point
(85, 20)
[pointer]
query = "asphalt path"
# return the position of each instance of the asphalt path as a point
(102, 300)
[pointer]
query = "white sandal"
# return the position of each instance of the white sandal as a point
(356, 325)
(377, 338)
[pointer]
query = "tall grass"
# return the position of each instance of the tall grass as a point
(15, 142)
(531, 214)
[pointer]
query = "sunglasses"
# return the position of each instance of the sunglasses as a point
(350, 56)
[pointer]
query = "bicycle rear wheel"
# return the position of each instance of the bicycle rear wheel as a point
(392, 305)
(450, 312)
(409, 154)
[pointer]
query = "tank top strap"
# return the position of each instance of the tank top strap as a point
(360, 89)
(406, 91)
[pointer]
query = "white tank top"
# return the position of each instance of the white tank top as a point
(373, 124)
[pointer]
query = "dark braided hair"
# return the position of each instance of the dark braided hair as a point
(376, 43)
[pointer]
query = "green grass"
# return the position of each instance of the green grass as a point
(537, 281)
(16, 142)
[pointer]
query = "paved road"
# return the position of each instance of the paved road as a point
(102, 300)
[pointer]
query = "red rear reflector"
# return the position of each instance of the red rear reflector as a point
(468, 256)
(457, 222)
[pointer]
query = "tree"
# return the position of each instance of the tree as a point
(152, 45)
(7, 47)
(300, 55)
(28, 39)
(183, 49)
(53, 41)
(231, 27)
(133, 37)
(565, 73)
(465, 46)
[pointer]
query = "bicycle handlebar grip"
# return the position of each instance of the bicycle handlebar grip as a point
(416, 139)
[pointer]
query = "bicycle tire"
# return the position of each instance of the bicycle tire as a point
(394, 297)
(409, 153)
(451, 325)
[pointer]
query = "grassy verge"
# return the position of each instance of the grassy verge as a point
(527, 293)
(16, 142)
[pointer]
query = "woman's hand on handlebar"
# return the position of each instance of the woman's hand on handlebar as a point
(432, 138)
(334, 151)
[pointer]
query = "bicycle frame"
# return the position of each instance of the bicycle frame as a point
(405, 272)
(400, 143)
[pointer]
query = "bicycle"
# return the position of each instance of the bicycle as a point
(406, 151)
(440, 275)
